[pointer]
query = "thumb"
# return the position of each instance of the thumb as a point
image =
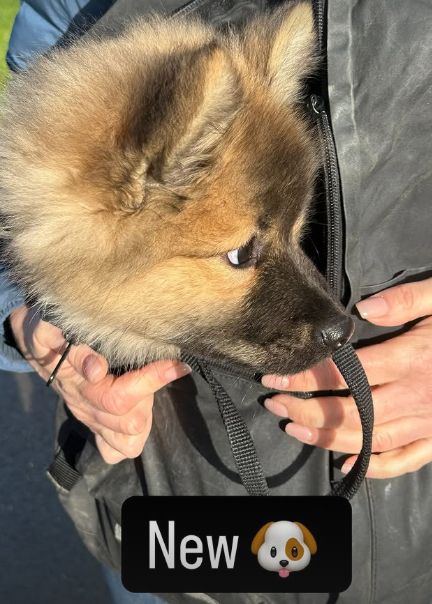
(88, 363)
(398, 305)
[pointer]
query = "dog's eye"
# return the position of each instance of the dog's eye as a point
(294, 552)
(273, 552)
(245, 256)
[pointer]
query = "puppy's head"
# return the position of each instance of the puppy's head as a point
(155, 189)
(284, 547)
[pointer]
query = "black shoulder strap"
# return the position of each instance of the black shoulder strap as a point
(243, 448)
(353, 373)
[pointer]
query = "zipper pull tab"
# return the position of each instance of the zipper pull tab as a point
(316, 103)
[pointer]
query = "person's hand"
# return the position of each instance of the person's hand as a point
(117, 409)
(400, 373)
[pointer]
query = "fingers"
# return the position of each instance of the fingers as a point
(114, 447)
(90, 365)
(117, 409)
(131, 424)
(128, 446)
(45, 334)
(390, 464)
(49, 338)
(324, 376)
(386, 436)
(120, 395)
(398, 305)
(319, 412)
(382, 363)
(391, 401)
(109, 454)
(118, 437)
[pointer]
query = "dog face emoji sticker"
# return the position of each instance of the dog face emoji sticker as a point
(283, 547)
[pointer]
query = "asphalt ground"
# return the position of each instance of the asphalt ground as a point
(42, 560)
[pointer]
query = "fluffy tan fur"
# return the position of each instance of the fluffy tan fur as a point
(131, 166)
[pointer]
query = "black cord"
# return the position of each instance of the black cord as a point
(62, 359)
(353, 373)
(242, 445)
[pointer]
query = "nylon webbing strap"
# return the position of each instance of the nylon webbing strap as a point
(242, 446)
(62, 470)
(353, 373)
(251, 473)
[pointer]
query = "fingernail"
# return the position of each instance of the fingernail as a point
(373, 307)
(275, 407)
(178, 371)
(91, 367)
(346, 468)
(278, 382)
(299, 432)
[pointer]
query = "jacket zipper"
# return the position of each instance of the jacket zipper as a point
(187, 8)
(319, 16)
(335, 243)
(333, 198)
(228, 368)
(334, 271)
(332, 185)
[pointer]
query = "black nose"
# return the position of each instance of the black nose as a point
(337, 333)
(283, 563)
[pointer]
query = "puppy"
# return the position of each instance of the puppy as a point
(155, 189)
(284, 547)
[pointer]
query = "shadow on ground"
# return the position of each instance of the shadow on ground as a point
(41, 557)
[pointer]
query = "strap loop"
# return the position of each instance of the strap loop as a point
(242, 445)
(353, 373)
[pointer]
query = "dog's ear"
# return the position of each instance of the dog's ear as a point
(308, 538)
(258, 540)
(196, 106)
(293, 54)
(209, 115)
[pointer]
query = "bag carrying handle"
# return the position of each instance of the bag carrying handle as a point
(243, 449)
